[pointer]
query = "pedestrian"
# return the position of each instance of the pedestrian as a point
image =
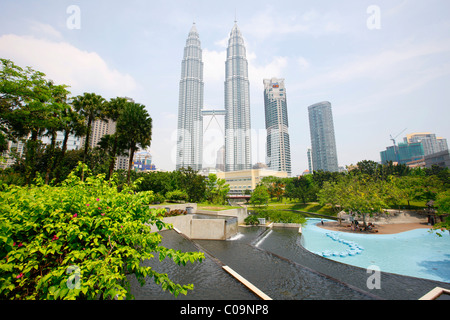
(321, 221)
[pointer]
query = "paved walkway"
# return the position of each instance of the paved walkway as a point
(382, 228)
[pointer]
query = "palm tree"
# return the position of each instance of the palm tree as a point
(135, 127)
(91, 107)
(113, 110)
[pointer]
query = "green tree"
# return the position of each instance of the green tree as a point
(86, 229)
(443, 208)
(71, 123)
(135, 127)
(193, 183)
(216, 189)
(260, 195)
(331, 194)
(302, 188)
(29, 105)
(91, 107)
(113, 110)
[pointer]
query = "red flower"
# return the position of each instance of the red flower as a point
(55, 237)
(75, 215)
(19, 276)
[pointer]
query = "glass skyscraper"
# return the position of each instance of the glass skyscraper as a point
(190, 105)
(278, 153)
(323, 142)
(237, 105)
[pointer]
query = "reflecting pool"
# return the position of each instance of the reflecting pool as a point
(276, 262)
(417, 253)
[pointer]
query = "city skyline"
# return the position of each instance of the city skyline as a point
(383, 70)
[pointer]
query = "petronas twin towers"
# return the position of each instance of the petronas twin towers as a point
(237, 105)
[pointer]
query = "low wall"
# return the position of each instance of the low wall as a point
(176, 206)
(182, 223)
(208, 229)
(239, 213)
(204, 229)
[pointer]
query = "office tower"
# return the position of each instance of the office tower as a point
(237, 105)
(101, 128)
(190, 105)
(323, 143)
(220, 160)
(430, 143)
(278, 153)
(403, 153)
(310, 167)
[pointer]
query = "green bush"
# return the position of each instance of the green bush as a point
(80, 240)
(279, 216)
(177, 195)
(251, 220)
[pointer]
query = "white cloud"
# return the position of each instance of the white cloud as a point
(65, 64)
(258, 72)
(269, 23)
(399, 65)
(303, 63)
(214, 66)
(44, 30)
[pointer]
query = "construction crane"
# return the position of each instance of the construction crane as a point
(393, 139)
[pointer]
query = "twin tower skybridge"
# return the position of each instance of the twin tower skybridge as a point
(213, 114)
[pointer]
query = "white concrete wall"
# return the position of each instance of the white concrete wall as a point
(212, 229)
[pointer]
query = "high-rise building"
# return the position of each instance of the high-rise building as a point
(403, 153)
(323, 142)
(220, 160)
(431, 144)
(278, 153)
(190, 105)
(237, 105)
(310, 167)
(101, 128)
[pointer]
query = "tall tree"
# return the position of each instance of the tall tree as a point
(113, 110)
(135, 126)
(29, 106)
(91, 107)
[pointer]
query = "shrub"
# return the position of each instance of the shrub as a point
(177, 195)
(251, 220)
(79, 241)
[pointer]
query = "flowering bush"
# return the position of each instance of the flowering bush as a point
(80, 240)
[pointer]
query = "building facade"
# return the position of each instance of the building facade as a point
(431, 143)
(190, 105)
(237, 105)
(323, 142)
(403, 153)
(278, 152)
(243, 180)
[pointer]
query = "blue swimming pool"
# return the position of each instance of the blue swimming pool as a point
(418, 253)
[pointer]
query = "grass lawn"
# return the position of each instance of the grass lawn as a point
(313, 207)
(215, 207)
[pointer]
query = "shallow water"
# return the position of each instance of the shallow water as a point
(416, 253)
(275, 262)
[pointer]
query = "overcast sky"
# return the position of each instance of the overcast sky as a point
(383, 65)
